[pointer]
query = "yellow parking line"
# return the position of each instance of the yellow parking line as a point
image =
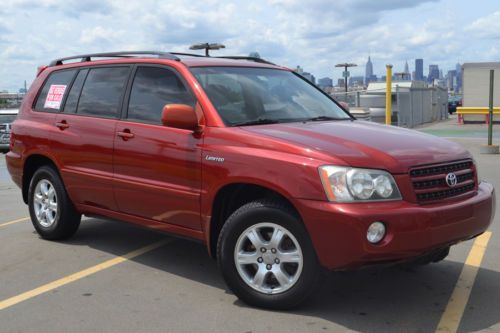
(79, 275)
(452, 316)
(15, 221)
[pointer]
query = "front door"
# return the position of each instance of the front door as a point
(157, 169)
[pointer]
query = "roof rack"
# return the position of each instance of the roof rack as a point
(122, 54)
(188, 54)
(260, 60)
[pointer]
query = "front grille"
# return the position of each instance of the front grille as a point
(429, 183)
(445, 194)
(447, 168)
(3, 127)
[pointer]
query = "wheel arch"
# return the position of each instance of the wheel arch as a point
(232, 196)
(31, 164)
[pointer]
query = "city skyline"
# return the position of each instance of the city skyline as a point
(418, 73)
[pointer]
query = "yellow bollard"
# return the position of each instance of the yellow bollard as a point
(388, 95)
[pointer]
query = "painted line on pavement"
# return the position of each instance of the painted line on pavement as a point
(15, 221)
(450, 320)
(79, 275)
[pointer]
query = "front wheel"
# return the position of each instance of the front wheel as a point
(266, 256)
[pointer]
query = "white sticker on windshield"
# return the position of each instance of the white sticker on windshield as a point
(55, 96)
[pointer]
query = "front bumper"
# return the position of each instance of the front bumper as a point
(338, 231)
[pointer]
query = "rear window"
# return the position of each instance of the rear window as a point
(53, 91)
(102, 92)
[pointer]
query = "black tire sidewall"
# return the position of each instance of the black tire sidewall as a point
(244, 218)
(67, 219)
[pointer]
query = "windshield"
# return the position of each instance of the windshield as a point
(249, 96)
(7, 118)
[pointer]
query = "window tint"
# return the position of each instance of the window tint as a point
(53, 91)
(102, 91)
(74, 93)
(152, 88)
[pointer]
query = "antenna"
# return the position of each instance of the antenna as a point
(207, 47)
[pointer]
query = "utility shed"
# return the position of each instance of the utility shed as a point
(380, 87)
(476, 84)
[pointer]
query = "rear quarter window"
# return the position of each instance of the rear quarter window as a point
(54, 90)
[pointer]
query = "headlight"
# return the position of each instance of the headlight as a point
(345, 184)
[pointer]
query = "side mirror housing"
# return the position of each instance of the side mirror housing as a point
(344, 106)
(183, 116)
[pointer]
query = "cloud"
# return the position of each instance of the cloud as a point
(315, 34)
(73, 8)
(99, 35)
(486, 27)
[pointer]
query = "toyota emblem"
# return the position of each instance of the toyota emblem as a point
(451, 179)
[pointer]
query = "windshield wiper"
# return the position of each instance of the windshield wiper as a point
(322, 118)
(260, 121)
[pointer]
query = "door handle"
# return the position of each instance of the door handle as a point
(62, 125)
(125, 134)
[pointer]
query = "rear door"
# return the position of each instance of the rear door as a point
(157, 168)
(83, 143)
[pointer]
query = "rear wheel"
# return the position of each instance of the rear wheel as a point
(266, 256)
(52, 212)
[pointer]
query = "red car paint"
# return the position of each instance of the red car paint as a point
(168, 178)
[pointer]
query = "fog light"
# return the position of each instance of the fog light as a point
(375, 233)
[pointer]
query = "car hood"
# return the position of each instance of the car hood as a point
(365, 144)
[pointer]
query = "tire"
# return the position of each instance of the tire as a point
(254, 276)
(52, 212)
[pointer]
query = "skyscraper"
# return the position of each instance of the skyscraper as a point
(368, 71)
(458, 69)
(407, 70)
(451, 79)
(325, 82)
(419, 69)
(433, 73)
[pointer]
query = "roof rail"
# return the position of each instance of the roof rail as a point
(121, 54)
(188, 54)
(260, 60)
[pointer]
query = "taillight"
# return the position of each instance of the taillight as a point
(11, 142)
(11, 138)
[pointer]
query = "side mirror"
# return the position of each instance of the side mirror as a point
(182, 116)
(344, 106)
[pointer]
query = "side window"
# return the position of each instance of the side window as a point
(74, 93)
(153, 87)
(53, 91)
(102, 92)
(225, 91)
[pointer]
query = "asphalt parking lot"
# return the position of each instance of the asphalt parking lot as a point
(83, 285)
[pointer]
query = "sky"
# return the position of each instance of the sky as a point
(313, 34)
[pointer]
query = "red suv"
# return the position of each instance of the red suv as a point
(245, 156)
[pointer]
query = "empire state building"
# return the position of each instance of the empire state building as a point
(368, 71)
